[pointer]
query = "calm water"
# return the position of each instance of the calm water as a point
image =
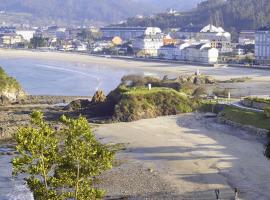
(45, 77)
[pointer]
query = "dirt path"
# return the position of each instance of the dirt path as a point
(196, 155)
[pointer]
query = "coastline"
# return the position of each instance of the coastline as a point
(258, 75)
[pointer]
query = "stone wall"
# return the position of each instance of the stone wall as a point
(254, 104)
(258, 131)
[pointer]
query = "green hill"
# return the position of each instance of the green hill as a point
(89, 11)
(234, 15)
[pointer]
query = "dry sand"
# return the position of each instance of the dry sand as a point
(196, 155)
(222, 73)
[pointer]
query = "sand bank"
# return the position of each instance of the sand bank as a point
(196, 155)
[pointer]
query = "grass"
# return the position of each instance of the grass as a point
(259, 100)
(139, 103)
(7, 82)
(145, 91)
(246, 117)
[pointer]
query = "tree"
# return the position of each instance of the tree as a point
(38, 153)
(61, 164)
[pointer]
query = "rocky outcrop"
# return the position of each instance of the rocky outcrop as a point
(10, 89)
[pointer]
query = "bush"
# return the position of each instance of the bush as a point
(267, 112)
(199, 92)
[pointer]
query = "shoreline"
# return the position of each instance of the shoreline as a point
(156, 67)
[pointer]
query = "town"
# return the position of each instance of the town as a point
(210, 45)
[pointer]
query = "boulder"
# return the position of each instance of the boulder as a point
(99, 97)
(4, 100)
(209, 80)
(78, 104)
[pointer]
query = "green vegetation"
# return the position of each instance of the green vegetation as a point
(139, 103)
(267, 112)
(61, 163)
(246, 117)
(7, 82)
(259, 100)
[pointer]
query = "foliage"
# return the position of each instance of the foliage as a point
(259, 100)
(36, 42)
(7, 82)
(140, 103)
(233, 15)
(267, 112)
(61, 164)
(199, 92)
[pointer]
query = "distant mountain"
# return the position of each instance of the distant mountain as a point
(83, 11)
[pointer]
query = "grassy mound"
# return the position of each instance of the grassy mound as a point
(134, 103)
(141, 103)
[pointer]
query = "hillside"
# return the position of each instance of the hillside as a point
(10, 89)
(89, 12)
(234, 15)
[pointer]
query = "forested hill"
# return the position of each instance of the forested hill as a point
(85, 11)
(234, 15)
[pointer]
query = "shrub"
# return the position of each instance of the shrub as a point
(267, 112)
(199, 92)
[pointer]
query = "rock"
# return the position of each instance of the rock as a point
(99, 97)
(4, 100)
(197, 80)
(209, 80)
(78, 104)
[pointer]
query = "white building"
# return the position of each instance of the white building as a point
(26, 34)
(127, 33)
(202, 53)
(262, 46)
(197, 52)
(149, 43)
(11, 39)
(218, 38)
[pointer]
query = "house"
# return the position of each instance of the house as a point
(192, 52)
(148, 44)
(202, 53)
(11, 39)
(26, 34)
(167, 52)
(218, 38)
(262, 45)
(127, 33)
(168, 40)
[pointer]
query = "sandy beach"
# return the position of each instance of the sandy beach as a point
(196, 155)
(221, 73)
